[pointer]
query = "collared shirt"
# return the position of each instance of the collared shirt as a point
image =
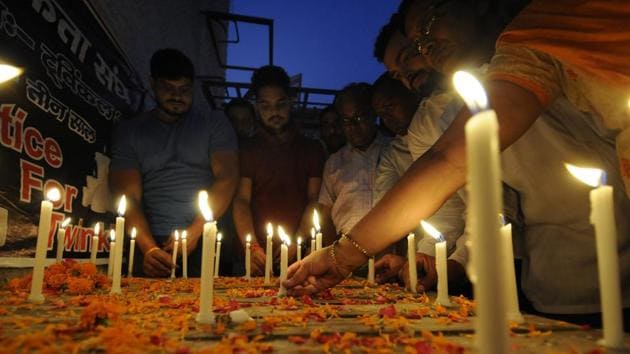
(348, 183)
(395, 160)
(174, 161)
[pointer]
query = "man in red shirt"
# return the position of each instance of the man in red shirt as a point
(280, 170)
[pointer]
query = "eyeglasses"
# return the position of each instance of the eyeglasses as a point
(354, 120)
(427, 26)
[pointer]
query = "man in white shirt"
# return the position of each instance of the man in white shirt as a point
(349, 174)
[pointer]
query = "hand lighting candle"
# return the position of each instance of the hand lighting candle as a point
(411, 260)
(248, 257)
(206, 293)
(174, 256)
(485, 203)
(284, 260)
(217, 259)
(185, 254)
(268, 254)
(43, 230)
(132, 249)
(440, 263)
(61, 239)
(94, 249)
(318, 231)
(120, 244)
(603, 219)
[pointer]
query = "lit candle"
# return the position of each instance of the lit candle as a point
(185, 254)
(440, 263)
(112, 253)
(94, 250)
(268, 250)
(206, 293)
(284, 259)
(603, 219)
(45, 215)
(132, 249)
(485, 195)
(174, 256)
(313, 244)
(370, 277)
(217, 259)
(120, 244)
(248, 257)
(61, 239)
(299, 248)
(511, 300)
(318, 231)
(4, 222)
(411, 259)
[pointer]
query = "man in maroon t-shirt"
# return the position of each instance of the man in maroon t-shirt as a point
(280, 171)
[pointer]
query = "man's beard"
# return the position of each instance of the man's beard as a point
(171, 112)
(277, 130)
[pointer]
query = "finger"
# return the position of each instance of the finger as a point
(383, 262)
(296, 274)
(158, 265)
(386, 275)
(300, 290)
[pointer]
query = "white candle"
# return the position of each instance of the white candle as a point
(217, 259)
(485, 203)
(318, 231)
(112, 253)
(132, 249)
(120, 244)
(603, 219)
(4, 222)
(61, 239)
(284, 259)
(185, 254)
(370, 277)
(313, 244)
(94, 250)
(206, 294)
(248, 257)
(299, 248)
(268, 254)
(511, 293)
(174, 256)
(45, 215)
(411, 259)
(440, 263)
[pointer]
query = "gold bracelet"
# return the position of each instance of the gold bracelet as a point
(151, 250)
(333, 255)
(356, 245)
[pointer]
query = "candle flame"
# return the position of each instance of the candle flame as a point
(97, 228)
(502, 219)
(281, 233)
(122, 205)
(248, 238)
(471, 91)
(204, 207)
(219, 237)
(66, 222)
(269, 229)
(287, 241)
(184, 234)
(591, 176)
(432, 231)
(53, 194)
(176, 235)
(312, 232)
(299, 240)
(8, 72)
(112, 235)
(316, 220)
(133, 233)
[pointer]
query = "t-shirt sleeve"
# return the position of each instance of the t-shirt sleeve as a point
(124, 154)
(529, 69)
(222, 136)
(316, 160)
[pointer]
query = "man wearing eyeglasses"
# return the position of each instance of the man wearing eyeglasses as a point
(280, 170)
(349, 174)
(162, 158)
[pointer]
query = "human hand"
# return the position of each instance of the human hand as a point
(157, 263)
(314, 273)
(258, 261)
(387, 267)
(427, 273)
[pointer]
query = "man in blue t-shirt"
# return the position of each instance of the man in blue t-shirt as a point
(162, 158)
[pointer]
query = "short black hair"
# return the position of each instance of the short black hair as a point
(171, 64)
(385, 35)
(360, 93)
(403, 7)
(390, 87)
(239, 102)
(270, 75)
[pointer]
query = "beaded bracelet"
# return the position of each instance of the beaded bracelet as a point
(356, 245)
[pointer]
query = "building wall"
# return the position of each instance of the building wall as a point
(143, 26)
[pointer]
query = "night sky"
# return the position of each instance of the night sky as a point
(329, 41)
